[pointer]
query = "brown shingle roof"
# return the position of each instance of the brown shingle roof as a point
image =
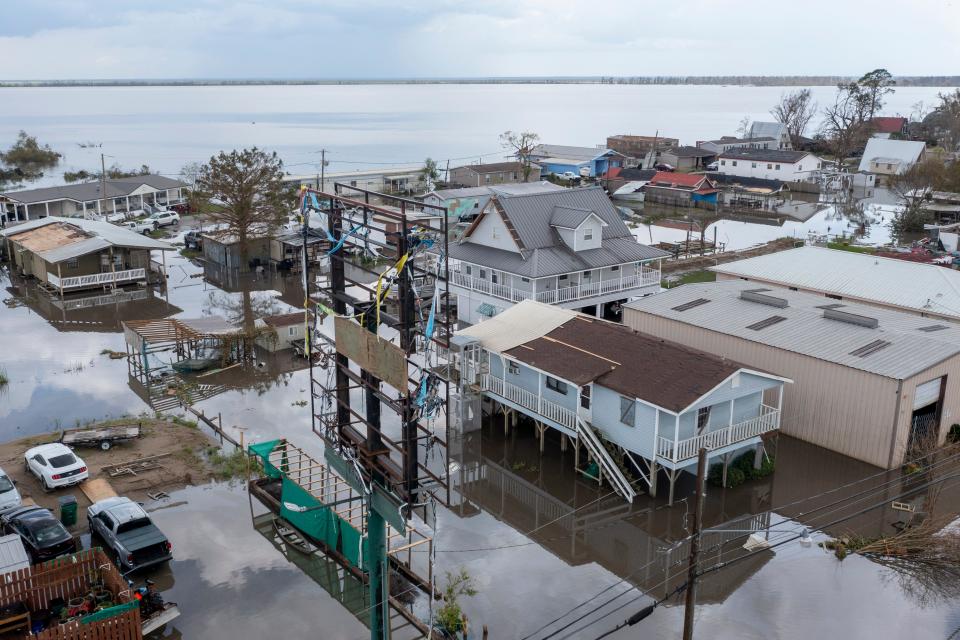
(494, 167)
(284, 320)
(585, 350)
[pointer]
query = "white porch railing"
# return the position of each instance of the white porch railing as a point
(96, 279)
(646, 278)
(768, 420)
(529, 400)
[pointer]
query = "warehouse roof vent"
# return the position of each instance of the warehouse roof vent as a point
(851, 318)
(757, 295)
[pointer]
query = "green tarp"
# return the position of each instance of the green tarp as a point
(320, 522)
(263, 450)
(110, 612)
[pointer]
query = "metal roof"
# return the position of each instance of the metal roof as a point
(518, 188)
(12, 554)
(580, 154)
(887, 150)
(766, 155)
(569, 217)
(921, 288)
(767, 129)
(87, 191)
(100, 236)
(914, 345)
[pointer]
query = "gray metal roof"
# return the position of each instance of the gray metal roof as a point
(569, 217)
(566, 151)
(87, 191)
(892, 151)
(912, 346)
(767, 129)
(519, 188)
(551, 261)
(544, 253)
(102, 235)
(923, 288)
(765, 155)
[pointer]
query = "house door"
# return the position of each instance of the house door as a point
(585, 403)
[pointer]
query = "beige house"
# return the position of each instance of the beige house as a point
(281, 331)
(871, 383)
(67, 255)
(480, 175)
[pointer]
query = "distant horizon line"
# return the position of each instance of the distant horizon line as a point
(738, 80)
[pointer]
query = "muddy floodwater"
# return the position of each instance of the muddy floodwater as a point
(541, 542)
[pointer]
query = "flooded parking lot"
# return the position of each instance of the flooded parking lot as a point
(538, 538)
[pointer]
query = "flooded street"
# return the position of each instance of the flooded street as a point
(538, 538)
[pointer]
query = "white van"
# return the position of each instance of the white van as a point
(9, 496)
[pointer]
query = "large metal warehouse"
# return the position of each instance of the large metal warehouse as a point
(870, 383)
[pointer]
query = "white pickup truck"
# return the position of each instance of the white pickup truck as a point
(141, 226)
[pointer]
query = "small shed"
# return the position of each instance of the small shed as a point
(222, 248)
(13, 556)
(281, 331)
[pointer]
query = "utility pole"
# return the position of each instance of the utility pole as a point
(446, 173)
(691, 599)
(323, 165)
(103, 186)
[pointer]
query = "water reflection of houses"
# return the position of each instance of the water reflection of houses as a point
(640, 543)
(101, 314)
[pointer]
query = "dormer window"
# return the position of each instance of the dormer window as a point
(588, 234)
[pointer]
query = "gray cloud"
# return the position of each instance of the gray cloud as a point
(48, 39)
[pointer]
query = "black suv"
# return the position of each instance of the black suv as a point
(42, 534)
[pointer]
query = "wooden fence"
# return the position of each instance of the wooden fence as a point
(72, 577)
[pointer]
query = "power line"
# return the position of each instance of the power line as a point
(858, 497)
(721, 565)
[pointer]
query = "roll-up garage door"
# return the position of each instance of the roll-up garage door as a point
(927, 393)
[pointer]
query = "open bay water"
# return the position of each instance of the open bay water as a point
(365, 126)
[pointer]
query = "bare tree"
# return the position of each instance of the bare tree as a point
(845, 121)
(522, 145)
(190, 172)
(945, 120)
(743, 129)
(795, 110)
(911, 188)
(430, 173)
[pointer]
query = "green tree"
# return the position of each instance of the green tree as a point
(430, 173)
(450, 619)
(875, 85)
(28, 158)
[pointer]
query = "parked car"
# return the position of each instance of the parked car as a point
(663, 166)
(42, 534)
(165, 218)
(570, 175)
(128, 533)
(9, 496)
(141, 226)
(713, 166)
(55, 465)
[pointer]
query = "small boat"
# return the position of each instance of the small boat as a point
(194, 364)
(292, 537)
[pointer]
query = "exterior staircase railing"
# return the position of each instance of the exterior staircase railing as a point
(621, 484)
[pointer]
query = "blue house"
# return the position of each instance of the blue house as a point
(630, 400)
(583, 161)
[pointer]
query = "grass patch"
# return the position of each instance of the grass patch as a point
(690, 278)
(853, 248)
(113, 355)
(4, 380)
(183, 422)
(231, 465)
(190, 254)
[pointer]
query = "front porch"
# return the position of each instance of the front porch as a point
(96, 280)
(628, 279)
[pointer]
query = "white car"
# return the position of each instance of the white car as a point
(570, 175)
(141, 226)
(55, 465)
(9, 496)
(165, 218)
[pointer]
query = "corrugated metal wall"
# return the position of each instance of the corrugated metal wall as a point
(843, 409)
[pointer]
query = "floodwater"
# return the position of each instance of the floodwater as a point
(867, 223)
(538, 539)
(368, 126)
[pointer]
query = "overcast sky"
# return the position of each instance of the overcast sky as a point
(73, 39)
